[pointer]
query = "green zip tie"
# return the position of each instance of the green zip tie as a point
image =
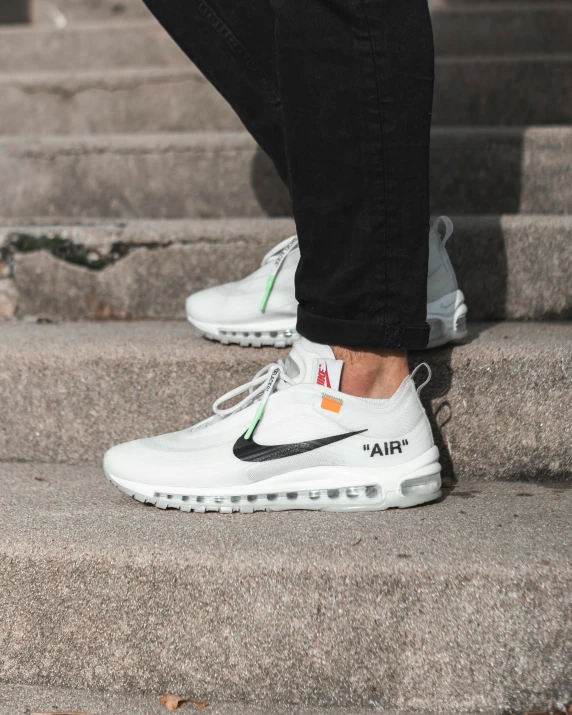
(255, 421)
(269, 285)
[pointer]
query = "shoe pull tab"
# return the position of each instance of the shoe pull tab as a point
(429, 375)
(449, 228)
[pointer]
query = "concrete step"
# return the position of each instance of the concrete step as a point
(217, 175)
(113, 101)
(485, 4)
(463, 605)
(522, 90)
(26, 698)
(516, 267)
(500, 28)
(500, 404)
(512, 90)
(88, 46)
(59, 14)
(526, 29)
(15, 11)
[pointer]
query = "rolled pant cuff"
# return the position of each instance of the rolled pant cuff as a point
(360, 334)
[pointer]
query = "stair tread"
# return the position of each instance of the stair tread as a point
(147, 339)
(287, 607)
(15, 698)
(89, 514)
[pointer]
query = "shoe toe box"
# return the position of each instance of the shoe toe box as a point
(207, 305)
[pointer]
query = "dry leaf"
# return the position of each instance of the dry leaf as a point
(172, 702)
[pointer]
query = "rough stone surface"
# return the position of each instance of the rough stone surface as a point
(502, 28)
(469, 30)
(164, 262)
(21, 699)
(126, 100)
(514, 90)
(516, 267)
(61, 13)
(435, 4)
(500, 405)
(15, 11)
(465, 604)
(216, 175)
(8, 298)
(198, 175)
(88, 46)
(511, 90)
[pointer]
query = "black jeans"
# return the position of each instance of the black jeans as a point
(339, 94)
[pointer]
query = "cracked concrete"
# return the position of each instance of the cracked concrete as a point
(513, 267)
(149, 267)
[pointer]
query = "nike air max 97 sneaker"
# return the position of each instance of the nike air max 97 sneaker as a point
(294, 441)
(261, 308)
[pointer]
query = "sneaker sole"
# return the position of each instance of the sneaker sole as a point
(364, 489)
(446, 318)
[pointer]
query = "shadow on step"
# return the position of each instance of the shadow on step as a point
(483, 171)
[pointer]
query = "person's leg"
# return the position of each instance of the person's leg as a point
(232, 43)
(356, 83)
(353, 90)
(351, 97)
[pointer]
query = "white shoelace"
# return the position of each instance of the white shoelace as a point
(260, 387)
(277, 255)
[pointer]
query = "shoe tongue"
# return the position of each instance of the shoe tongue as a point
(313, 363)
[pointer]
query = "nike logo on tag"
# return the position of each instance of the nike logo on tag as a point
(323, 377)
(249, 451)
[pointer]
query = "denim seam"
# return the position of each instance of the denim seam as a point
(381, 125)
(222, 28)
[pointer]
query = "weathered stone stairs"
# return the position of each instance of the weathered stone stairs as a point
(126, 183)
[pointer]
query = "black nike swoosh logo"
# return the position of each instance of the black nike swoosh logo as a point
(249, 451)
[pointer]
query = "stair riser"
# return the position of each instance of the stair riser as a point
(132, 101)
(513, 267)
(475, 92)
(143, 43)
(72, 11)
(216, 176)
(94, 46)
(494, 30)
(15, 12)
(490, 399)
(483, 4)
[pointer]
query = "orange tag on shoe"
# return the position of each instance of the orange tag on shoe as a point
(331, 403)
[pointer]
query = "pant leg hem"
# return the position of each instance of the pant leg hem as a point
(361, 334)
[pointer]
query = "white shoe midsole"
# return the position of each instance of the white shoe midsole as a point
(446, 317)
(388, 479)
(266, 324)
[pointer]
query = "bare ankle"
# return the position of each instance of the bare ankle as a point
(371, 373)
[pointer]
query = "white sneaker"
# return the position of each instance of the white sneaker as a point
(261, 308)
(293, 442)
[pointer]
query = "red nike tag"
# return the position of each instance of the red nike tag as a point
(323, 378)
